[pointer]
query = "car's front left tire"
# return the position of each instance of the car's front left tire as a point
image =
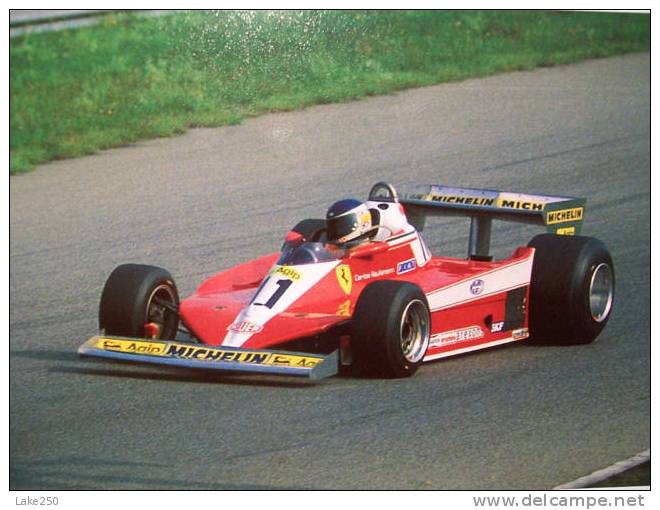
(391, 329)
(139, 301)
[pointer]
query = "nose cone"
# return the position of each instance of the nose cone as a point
(250, 320)
(283, 286)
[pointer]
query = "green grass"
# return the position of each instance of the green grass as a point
(77, 91)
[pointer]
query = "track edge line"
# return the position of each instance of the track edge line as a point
(605, 473)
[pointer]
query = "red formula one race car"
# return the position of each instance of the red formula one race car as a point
(361, 289)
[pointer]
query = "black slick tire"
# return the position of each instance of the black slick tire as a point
(135, 294)
(572, 289)
(390, 329)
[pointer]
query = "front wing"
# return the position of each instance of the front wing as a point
(189, 355)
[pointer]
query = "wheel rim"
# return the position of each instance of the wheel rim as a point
(156, 311)
(601, 292)
(414, 331)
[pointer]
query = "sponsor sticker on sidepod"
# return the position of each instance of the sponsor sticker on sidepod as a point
(477, 287)
(374, 274)
(406, 266)
(456, 335)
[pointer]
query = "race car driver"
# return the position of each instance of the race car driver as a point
(351, 222)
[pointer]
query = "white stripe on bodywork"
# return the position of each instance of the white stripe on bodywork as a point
(402, 238)
(310, 275)
(419, 250)
(498, 280)
(455, 352)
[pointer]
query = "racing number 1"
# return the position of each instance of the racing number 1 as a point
(283, 284)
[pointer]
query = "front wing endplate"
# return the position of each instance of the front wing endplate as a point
(313, 366)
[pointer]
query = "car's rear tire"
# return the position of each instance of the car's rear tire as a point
(135, 295)
(572, 289)
(390, 329)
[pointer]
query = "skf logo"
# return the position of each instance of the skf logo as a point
(497, 327)
(477, 287)
(244, 327)
(344, 278)
(406, 266)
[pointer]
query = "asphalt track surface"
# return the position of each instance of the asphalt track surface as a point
(521, 416)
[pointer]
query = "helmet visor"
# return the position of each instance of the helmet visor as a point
(341, 226)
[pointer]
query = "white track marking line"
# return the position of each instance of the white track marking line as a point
(603, 474)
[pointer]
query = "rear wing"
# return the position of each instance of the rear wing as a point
(558, 214)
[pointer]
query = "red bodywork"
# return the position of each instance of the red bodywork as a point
(474, 304)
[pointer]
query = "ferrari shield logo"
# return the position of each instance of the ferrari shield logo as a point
(344, 277)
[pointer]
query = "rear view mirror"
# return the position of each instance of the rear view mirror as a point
(293, 238)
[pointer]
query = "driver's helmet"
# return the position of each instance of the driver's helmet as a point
(348, 221)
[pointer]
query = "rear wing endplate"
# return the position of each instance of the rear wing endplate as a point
(190, 355)
(558, 214)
